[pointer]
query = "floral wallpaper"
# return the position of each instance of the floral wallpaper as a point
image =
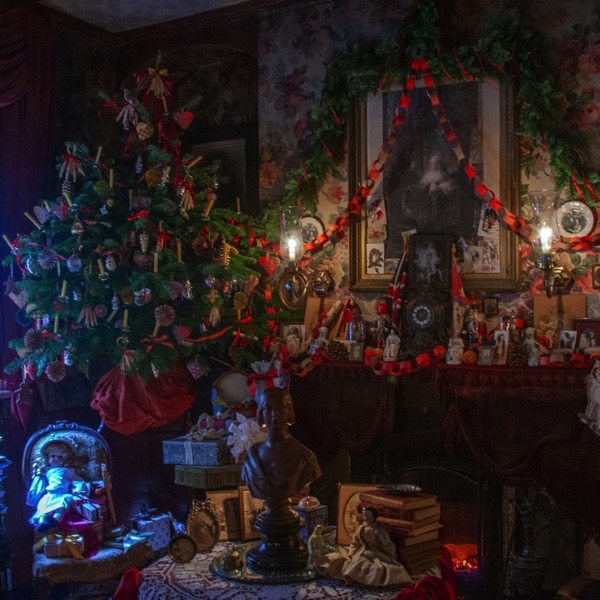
(295, 47)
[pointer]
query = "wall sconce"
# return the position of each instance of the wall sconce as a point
(292, 287)
(543, 238)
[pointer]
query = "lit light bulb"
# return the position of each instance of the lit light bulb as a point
(546, 235)
(292, 249)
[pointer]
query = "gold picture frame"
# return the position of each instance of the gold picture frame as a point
(227, 506)
(347, 514)
(203, 524)
(490, 133)
(250, 509)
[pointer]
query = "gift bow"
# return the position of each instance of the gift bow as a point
(69, 540)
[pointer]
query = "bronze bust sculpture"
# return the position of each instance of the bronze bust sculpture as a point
(274, 470)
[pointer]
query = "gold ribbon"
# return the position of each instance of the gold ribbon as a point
(69, 540)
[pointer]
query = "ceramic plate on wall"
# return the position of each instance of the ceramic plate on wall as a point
(574, 219)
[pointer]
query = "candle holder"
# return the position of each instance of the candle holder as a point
(292, 287)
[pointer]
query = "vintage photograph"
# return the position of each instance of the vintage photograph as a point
(501, 347)
(424, 188)
(227, 505)
(294, 336)
(203, 524)
(567, 339)
(490, 306)
(587, 333)
(486, 355)
(250, 509)
(429, 260)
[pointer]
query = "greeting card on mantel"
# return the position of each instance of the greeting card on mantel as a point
(553, 315)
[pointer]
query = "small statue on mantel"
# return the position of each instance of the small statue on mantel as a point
(392, 346)
(456, 347)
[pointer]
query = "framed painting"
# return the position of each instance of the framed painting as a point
(423, 187)
(250, 509)
(429, 260)
(234, 148)
(227, 506)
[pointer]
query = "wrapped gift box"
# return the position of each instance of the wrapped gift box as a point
(58, 546)
(312, 517)
(90, 509)
(158, 524)
(185, 450)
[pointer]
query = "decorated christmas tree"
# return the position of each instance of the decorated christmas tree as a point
(135, 260)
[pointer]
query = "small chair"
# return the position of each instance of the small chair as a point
(92, 461)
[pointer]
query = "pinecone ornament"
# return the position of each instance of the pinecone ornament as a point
(337, 351)
(517, 356)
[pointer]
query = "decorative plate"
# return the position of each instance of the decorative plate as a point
(574, 219)
(401, 489)
(311, 228)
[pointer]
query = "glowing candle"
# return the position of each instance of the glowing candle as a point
(546, 239)
(98, 154)
(178, 250)
(63, 291)
(292, 249)
(7, 240)
(125, 317)
(101, 267)
(56, 323)
(111, 178)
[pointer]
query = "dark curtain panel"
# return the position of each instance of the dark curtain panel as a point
(27, 100)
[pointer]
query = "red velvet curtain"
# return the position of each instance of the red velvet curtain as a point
(27, 100)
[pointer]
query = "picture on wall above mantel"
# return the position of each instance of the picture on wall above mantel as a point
(424, 189)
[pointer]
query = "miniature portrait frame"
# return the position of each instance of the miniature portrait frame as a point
(227, 505)
(567, 339)
(490, 306)
(289, 331)
(203, 524)
(596, 277)
(486, 355)
(587, 333)
(347, 510)
(250, 509)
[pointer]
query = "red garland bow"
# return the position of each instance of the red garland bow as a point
(162, 340)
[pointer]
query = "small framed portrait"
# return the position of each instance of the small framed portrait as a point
(312, 227)
(347, 510)
(490, 306)
(486, 355)
(501, 347)
(429, 260)
(596, 277)
(293, 336)
(567, 339)
(203, 524)
(587, 332)
(250, 509)
(227, 506)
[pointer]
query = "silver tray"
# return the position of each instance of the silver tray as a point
(401, 489)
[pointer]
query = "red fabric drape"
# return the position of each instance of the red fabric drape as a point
(27, 100)
(128, 405)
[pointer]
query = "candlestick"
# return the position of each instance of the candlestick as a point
(156, 262)
(7, 240)
(98, 154)
(112, 315)
(56, 323)
(63, 291)
(178, 250)
(101, 267)
(210, 200)
(292, 249)
(125, 318)
(194, 162)
(156, 328)
(47, 205)
(111, 178)
(33, 220)
(238, 205)
(68, 198)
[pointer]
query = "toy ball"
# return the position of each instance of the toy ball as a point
(469, 357)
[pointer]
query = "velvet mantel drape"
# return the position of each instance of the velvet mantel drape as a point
(27, 100)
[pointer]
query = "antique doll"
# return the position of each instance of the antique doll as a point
(52, 491)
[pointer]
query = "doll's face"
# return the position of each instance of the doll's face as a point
(57, 458)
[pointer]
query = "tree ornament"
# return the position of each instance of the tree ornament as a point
(240, 302)
(101, 310)
(144, 261)
(155, 371)
(212, 295)
(111, 263)
(115, 302)
(68, 356)
(76, 295)
(22, 318)
(127, 295)
(77, 227)
(144, 131)
(153, 177)
(56, 371)
(188, 291)
(87, 316)
(215, 316)
(48, 259)
(33, 339)
(164, 315)
(127, 362)
(195, 369)
(142, 297)
(144, 241)
(74, 263)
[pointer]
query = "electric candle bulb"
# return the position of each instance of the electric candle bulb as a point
(156, 262)
(125, 317)
(546, 239)
(56, 323)
(178, 250)
(7, 240)
(101, 267)
(111, 178)
(98, 154)
(292, 249)
(63, 291)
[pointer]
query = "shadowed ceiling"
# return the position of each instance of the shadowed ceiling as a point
(122, 15)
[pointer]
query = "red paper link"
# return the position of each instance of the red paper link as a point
(398, 120)
(140, 214)
(439, 352)
(577, 188)
(327, 150)
(423, 360)
(211, 337)
(591, 189)
(470, 171)
(383, 82)
(411, 81)
(404, 101)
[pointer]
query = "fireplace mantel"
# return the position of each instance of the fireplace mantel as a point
(521, 425)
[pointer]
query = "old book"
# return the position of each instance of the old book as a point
(412, 559)
(380, 498)
(405, 515)
(425, 565)
(411, 532)
(403, 540)
(407, 525)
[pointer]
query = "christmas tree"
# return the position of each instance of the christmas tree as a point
(135, 259)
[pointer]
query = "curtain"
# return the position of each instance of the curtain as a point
(28, 52)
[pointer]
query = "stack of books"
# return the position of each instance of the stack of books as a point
(413, 523)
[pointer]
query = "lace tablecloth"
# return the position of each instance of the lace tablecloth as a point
(193, 581)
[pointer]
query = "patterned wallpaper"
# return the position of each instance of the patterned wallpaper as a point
(296, 45)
